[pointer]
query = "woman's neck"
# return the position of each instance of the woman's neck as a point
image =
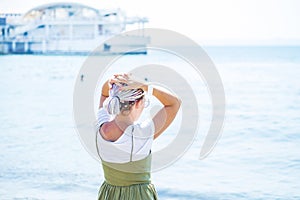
(123, 121)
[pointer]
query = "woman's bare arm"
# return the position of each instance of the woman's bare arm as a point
(165, 115)
(104, 93)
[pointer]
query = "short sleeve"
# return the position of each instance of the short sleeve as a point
(102, 117)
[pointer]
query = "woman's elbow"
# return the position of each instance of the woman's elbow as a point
(177, 104)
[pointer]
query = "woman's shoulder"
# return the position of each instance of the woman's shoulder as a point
(110, 132)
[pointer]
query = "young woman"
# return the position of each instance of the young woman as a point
(124, 145)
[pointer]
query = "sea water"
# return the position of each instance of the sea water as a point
(257, 156)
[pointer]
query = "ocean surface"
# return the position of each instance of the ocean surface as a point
(257, 156)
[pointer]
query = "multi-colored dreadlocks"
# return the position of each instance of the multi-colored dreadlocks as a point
(122, 100)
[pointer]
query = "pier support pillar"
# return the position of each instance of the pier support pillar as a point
(44, 47)
(5, 32)
(13, 46)
(26, 47)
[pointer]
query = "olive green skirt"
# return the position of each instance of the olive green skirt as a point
(144, 191)
(127, 181)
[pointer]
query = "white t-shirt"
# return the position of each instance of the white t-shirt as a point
(134, 144)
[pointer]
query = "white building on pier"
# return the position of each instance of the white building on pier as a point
(62, 28)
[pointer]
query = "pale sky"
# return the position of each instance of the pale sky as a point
(206, 21)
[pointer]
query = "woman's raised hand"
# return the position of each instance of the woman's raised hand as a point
(118, 79)
(126, 81)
